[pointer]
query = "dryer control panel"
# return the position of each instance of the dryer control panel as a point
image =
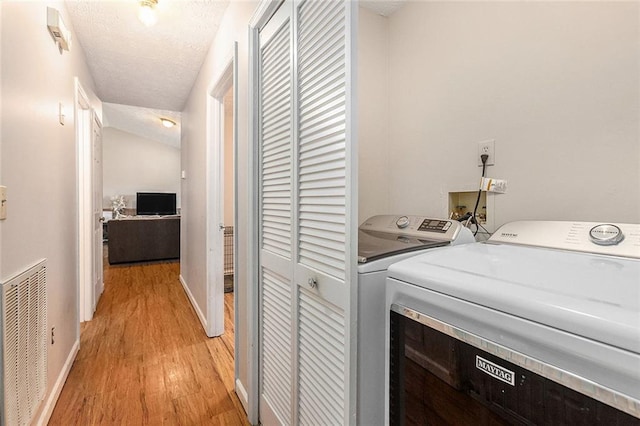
(620, 239)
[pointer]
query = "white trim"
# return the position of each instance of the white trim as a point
(83, 123)
(223, 81)
(253, 305)
(236, 264)
(351, 198)
(263, 13)
(295, 213)
(196, 308)
(242, 395)
(46, 412)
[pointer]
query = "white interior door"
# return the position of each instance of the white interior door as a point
(221, 141)
(276, 220)
(324, 274)
(96, 149)
(307, 193)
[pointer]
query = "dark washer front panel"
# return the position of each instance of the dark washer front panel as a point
(439, 380)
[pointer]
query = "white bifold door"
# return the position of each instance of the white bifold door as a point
(308, 229)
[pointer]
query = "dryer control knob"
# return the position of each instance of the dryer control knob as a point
(402, 222)
(606, 235)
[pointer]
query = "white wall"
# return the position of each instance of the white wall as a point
(554, 83)
(373, 115)
(135, 164)
(234, 27)
(38, 163)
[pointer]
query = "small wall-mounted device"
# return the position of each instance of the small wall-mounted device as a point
(60, 33)
(61, 114)
(3, 202)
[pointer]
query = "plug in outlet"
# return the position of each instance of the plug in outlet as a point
(487, 147)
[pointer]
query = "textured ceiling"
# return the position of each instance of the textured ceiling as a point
(153, 67)
(144, 73)
(143, 122)
(383, 7)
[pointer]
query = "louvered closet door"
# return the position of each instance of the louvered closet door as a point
(308, 281)
(324, 270)
(276, 221)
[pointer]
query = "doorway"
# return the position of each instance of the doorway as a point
(228, 193)
(89, 157)
(221, 198)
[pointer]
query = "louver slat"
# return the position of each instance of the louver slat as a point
(322, 136)
(276, 144)
(11, 356)
(276, 342)
(321, 360)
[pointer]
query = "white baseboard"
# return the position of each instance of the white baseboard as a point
(201, 317)
(242, 395)
(46, 412)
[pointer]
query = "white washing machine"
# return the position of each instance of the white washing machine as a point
(540, 324)
(382, 241)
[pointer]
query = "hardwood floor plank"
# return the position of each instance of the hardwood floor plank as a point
(145, 360)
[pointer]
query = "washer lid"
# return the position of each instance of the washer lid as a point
(373, 245)
(594, 296)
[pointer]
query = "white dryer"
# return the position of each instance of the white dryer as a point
(539, 325)
(382, 241)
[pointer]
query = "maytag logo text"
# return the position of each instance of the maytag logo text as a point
(494, 370)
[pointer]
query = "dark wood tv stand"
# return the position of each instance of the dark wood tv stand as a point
(143, 238)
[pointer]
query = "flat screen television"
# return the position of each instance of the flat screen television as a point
(152, 203)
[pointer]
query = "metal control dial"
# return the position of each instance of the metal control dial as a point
(402, 222)
(606, 235)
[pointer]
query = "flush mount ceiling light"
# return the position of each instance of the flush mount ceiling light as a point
(147, 12)
(167, 123)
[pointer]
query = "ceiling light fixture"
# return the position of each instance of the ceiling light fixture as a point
(167, 123)
(147, 12)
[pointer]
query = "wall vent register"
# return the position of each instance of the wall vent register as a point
(24, 345)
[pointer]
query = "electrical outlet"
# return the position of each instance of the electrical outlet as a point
(487, 147)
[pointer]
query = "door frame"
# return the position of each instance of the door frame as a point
(214, 190)
(260, 18)
(83, 126)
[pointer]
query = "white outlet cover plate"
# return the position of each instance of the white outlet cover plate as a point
(487, 147)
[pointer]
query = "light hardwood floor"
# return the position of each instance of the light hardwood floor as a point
(145, 359)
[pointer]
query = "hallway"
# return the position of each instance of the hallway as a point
(145, 359)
